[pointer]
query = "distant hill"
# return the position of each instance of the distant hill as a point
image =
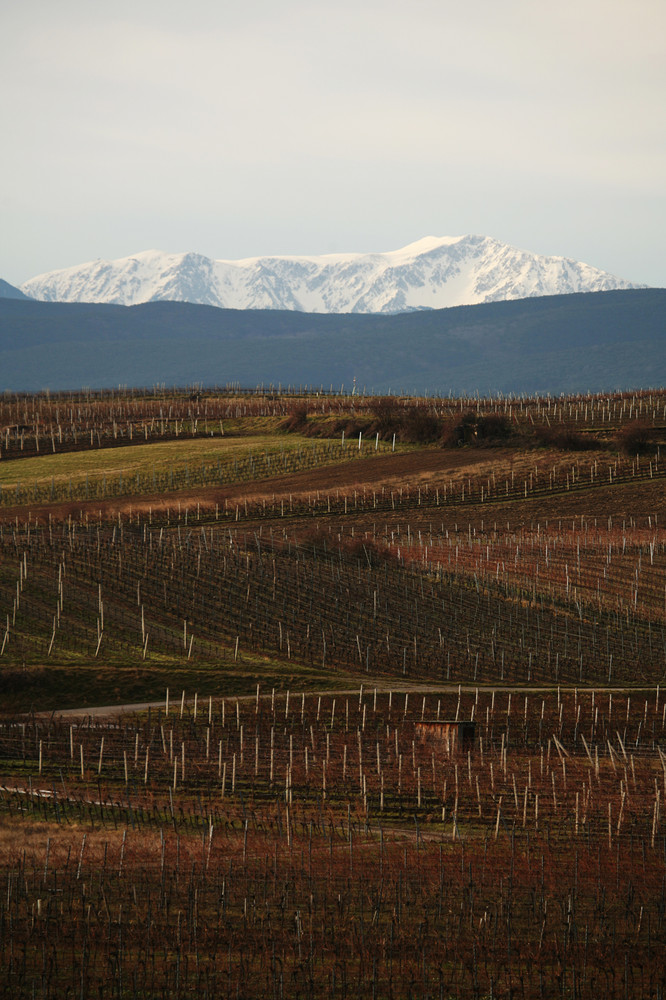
(8, 291)
(434, 273)
(564, 343)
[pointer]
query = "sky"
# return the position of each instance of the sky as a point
(255, 127)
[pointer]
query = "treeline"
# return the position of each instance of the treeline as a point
(390, 418)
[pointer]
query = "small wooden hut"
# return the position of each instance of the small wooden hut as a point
(456, 735)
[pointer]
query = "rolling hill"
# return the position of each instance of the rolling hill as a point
(564, 343)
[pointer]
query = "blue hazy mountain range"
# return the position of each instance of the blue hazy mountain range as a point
(8, 291)
(582, 342)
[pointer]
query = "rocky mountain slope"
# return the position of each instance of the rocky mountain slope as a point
(433, 273)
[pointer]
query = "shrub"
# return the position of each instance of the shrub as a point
(635, 439)
(472, 428)
(419, 426)
(296, 420)
(369, 552)
(388, 415)
(316, 541)
(566, 439)
(450, 435)
(14, 680)
(493, 427)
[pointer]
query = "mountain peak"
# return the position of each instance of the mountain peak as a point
(430, 273)
(8, 291)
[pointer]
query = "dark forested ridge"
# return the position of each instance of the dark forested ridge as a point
(8, 291)
(565, 343)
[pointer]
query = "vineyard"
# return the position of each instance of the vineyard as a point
(305, 594)
(318, 846)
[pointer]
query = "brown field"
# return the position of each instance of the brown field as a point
(274, 824)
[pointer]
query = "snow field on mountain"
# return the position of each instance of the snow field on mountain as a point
(432, 273)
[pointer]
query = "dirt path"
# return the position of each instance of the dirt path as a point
(381, 684)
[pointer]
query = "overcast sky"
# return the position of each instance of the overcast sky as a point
(263, 127)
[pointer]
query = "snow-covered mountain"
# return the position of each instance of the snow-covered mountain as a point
(433, 273)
